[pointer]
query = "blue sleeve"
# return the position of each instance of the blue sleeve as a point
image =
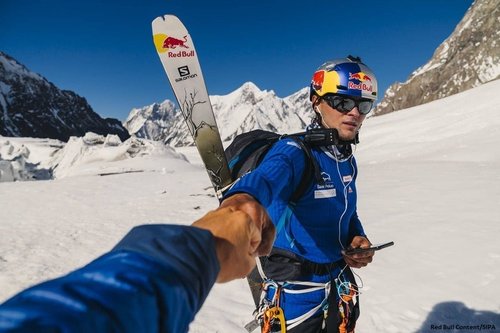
(276, 176)
(154, 280)
(355, 226)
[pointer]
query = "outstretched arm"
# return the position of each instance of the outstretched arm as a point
(154, 280)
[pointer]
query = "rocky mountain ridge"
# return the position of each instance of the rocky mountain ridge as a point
(31, 106)
(469, 57)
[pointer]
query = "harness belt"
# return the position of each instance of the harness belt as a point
(283, 265)
(321, 269)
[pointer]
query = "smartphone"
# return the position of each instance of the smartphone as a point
(374, 247)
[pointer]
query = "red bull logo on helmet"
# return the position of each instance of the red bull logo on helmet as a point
(360, 76)
(317, 80)
(165, 44)
(360, 81)
(324, 82)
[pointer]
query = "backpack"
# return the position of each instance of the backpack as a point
(248, 150)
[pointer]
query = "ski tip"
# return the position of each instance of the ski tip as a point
(165, 18)
(167, 22)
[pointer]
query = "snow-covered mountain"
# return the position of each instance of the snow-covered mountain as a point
(244, 109)
(469, 57)
(31, 106)
(249, 108)
(151, 121)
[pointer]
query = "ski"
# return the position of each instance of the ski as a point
(180, 61)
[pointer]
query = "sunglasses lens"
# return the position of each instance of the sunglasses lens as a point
(365, 107)
(341, 104)
(347, 104)
(336, 103)
(344, 104)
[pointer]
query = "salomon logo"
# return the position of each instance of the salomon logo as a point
(183, 71)
(185, 74)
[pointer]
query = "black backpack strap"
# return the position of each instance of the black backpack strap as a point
(311, 172)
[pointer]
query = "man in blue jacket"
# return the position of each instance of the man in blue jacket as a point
(307, 277)
(155, 280)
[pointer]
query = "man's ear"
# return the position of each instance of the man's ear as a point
(315, 100)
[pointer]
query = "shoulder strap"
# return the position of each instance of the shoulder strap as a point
(311, 172)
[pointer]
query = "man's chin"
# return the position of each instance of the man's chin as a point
(347, 136)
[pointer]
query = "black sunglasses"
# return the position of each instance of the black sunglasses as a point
(346, 104)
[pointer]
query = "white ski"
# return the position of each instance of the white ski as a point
(180, 61)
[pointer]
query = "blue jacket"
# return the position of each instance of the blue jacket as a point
(154, 280)
(326, 215)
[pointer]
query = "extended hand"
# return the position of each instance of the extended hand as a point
(258, 214)
(236, 241)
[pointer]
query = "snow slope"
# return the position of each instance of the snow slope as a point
(428, 180)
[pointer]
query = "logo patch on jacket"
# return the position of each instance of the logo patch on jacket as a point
(327, 190)
(323, 194)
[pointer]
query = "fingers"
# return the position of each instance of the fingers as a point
(237, 247)
(268, 236)
(359, 260)
(248, 204)
(258, 215)
(237, 241)
(255, 236)
(360, 241)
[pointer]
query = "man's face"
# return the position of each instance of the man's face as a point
(347, 124)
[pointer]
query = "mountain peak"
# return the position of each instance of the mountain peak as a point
(12, 68)
(466, 59)
(249, 86)
(248, 89)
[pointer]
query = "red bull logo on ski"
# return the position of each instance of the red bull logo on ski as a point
(172, 43)
(360, 81)
(165, 44)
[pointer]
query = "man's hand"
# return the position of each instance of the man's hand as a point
(236, 241)
(242, 231)
(359, 260)
(258, 215)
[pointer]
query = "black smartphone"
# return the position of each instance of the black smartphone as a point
(374, 247)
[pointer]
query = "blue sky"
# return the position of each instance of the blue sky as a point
(103, 49)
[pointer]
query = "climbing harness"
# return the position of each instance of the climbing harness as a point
(339, 313)
(270, 315)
